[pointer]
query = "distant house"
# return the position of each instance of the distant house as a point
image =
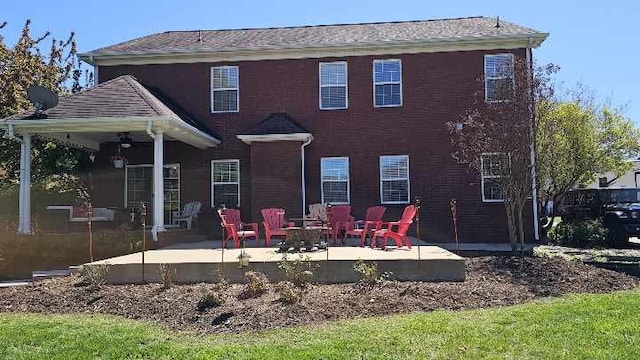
(631, 179)
(285, 117)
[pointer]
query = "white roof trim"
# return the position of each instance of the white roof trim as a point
(174, 128)
(248, 139)
(340, 50)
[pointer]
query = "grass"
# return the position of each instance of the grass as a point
(576, 326)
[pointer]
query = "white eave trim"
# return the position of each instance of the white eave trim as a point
(171, 56)
(172, 127)
(248, 139)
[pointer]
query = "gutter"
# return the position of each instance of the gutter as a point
(534, 188)
(303, 182)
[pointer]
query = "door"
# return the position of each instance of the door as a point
(139, 189)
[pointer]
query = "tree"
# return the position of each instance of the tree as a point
(495, 138)
(575, 141)
(58, 69)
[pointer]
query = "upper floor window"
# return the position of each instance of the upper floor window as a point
(225, 183)
(333, 85)
(387, 83)
(490, 168)
(394, 179)
(498, 77)
(224, 89)
(334, 175)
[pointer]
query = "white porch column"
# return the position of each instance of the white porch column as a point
(158, 183)
(24, 216)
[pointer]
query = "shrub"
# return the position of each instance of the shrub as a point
(289, 293)
(299, 271)
(209, 300)
(167, 274)
(256, 284)
(369, 272)
(94, 276)
(583, 233)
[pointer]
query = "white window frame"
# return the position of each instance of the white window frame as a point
(322, 181)
(237, 89)
(407, 179)
(487, 78)
(213, 184)
(346, 85)
(373, 76)
(483, 177)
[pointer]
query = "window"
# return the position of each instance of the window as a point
(333, 85)
(394, 179)
(224, 89)
(225, 183)
(139, 188)
(387, 83)
(490, 165)
(498, 77)
(334, 175)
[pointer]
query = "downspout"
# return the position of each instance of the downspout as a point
(148, 129)
(303, 182)
(534, 189)
(11, 134)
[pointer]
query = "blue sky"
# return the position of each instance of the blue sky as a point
(595, 42)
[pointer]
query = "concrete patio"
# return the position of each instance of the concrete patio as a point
(206, 261)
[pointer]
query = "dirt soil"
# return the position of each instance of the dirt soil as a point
(491, 281)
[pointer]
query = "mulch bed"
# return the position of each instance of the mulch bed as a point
(491, 281)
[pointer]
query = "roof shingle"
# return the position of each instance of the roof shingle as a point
(277, 123)
(318, 36)
(122, 97)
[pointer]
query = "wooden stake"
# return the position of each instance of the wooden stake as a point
(90, 215)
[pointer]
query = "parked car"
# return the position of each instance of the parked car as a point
(618, 208)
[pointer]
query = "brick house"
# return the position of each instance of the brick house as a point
(286, 117)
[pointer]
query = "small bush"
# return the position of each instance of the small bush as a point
(209, 300)
(94, 276)
(256, 284)
(369, 272)
(299, 271)
(289, 293)
(584, 233)
(167, 274)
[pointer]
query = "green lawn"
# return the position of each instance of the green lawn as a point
(577, 326)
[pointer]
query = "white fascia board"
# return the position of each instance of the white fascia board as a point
(248, 139)
(173, 127)
(339, 50)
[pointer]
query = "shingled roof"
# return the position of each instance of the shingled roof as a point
(277, 123)
(122, 97)
(320, 36)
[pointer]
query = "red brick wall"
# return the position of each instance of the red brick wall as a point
(437, 88)
(276, 177)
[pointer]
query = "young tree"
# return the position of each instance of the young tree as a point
(27, 64)
(495, 137)
(575, 141)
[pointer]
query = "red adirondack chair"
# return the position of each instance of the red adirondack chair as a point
(399, 235)
(274, 224)
(361, 228)
(338, 220)
(234, 227)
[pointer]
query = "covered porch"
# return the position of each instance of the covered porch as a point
(120, 112)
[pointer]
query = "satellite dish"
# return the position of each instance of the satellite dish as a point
(42, 99)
